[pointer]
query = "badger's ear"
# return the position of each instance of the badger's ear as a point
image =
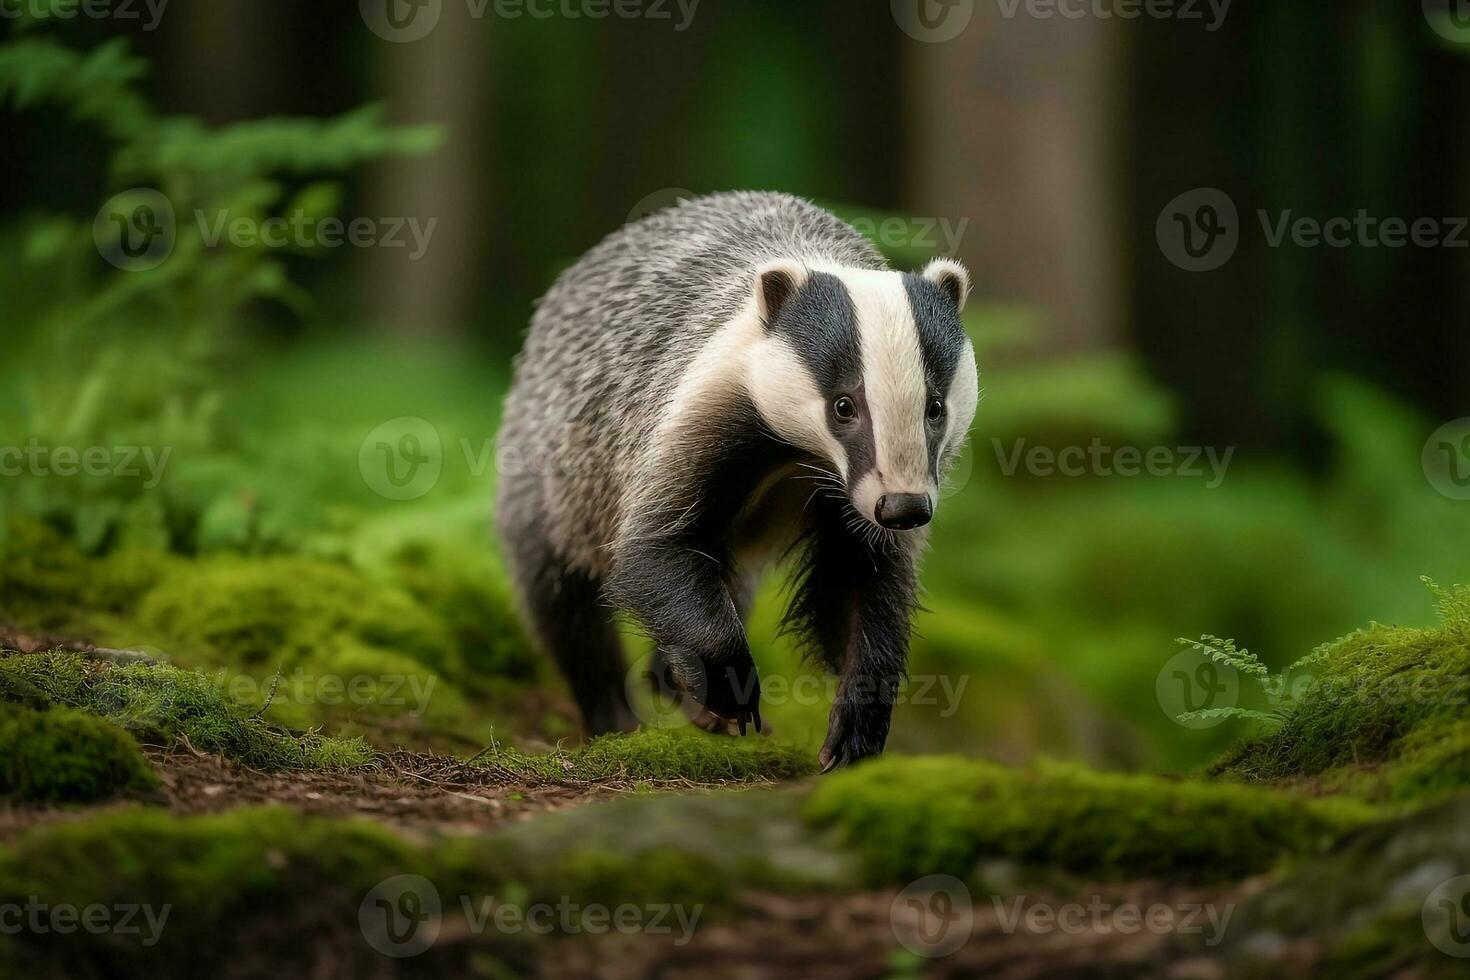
(951, 278)
(775, 283)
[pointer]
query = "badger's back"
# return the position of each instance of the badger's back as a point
(610, 341)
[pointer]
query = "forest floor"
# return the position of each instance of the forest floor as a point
(1336, 842)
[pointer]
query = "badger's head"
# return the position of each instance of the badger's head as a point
(872, 373)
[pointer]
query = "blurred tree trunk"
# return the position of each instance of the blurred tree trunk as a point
(1016, 128)
(442, 78)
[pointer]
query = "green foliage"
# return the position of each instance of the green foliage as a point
(66, 756)
(915, 816)
(322, 642)
(1280, 690)
(656, 755)
(162, 704)
(146, 350)
(1385, 716)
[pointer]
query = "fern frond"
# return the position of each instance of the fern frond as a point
(1224, 651)
(1242, 714)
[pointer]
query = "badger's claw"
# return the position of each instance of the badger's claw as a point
(732, 697)
(855, 731)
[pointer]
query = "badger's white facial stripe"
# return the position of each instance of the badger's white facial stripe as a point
(787, 397)
(962, 399)
(895, 384)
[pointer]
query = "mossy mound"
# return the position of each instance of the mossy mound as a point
(913, 816)
(394, 649)
(1386, 717)
(161, 704)
(656, 755)
(67, 756)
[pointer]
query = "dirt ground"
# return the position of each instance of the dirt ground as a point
(413, 793)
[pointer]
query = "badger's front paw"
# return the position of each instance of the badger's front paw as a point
(857, 729)
(732, 698)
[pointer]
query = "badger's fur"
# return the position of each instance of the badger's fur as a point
(729, 381)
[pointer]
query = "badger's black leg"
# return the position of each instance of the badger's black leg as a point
(677, 590)
(568, 616)
(854, 602)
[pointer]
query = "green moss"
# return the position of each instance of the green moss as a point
(657, 755)
(470, 594)
(911, 816)
(161, 703)
(1385, 717)
(392, 649)
(67, 756)
(285, 610)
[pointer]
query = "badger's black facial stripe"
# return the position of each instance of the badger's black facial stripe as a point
(941, 342)
(941, 335)
(821, 324)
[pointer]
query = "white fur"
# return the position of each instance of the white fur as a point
(895, 384)
(941, 272)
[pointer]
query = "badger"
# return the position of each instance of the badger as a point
(733, 381)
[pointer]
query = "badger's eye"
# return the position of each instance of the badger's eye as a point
(845, 409)
(936, 410)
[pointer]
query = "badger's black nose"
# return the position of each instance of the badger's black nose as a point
(904, 511)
